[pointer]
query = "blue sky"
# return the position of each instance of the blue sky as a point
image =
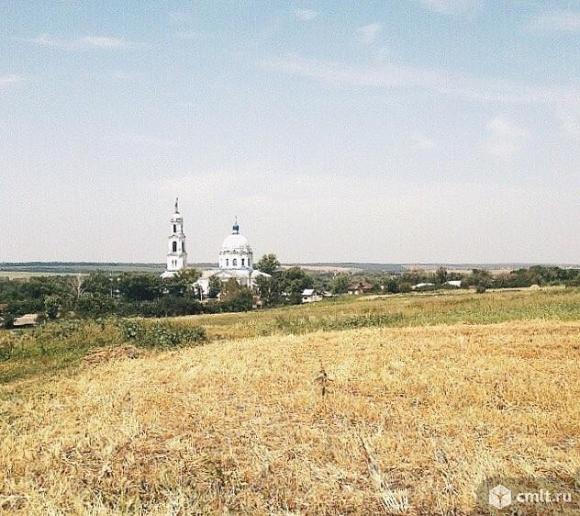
(391, 131)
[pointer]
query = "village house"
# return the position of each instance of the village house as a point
(356, 288)
(26, 321)
(310, 295)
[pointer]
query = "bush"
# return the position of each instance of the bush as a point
(480, 289)
(6, 345)
(161, 334)
(95, 305)
(8, 320)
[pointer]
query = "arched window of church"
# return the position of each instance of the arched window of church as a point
(227, 262)
(243, 262)
(174, 228)
(183, 246)
(235, 262)
(174, 247)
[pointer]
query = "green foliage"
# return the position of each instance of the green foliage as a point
(100, 284)
(8, 320)
(183, 283)
(140, 286)
(53, 346)
(269, 264)
(63, 343)
(236, 298)
(294, 325)
(95, 305)
(214, 287)
(7, 343)
(161, 334)
(52, 306)
(340, 284)
(293, 281)
(480, 278)
(405, 287)
(269, 290)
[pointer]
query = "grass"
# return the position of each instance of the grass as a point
(451, 307)
(56, 347)
(418, 415)
(398, 404)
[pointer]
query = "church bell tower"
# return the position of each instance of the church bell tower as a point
(176, 255)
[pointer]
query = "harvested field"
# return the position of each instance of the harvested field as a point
(412, 419)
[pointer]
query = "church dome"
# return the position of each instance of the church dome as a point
(236, 252)
(234, 242)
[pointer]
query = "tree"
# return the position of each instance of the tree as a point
(340, 284)
(8, 320)
(294, 281)
(52, 306)
(183, 283)
(480, 278)
(236, 298)
(441, 275)
(78, 286)
(392, 286)
(214, 287)
(99, 283)
(95, 305)
(140, 286)
(269, 263)
(269, 290)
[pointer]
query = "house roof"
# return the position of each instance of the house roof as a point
(421, 285)
(26, 320)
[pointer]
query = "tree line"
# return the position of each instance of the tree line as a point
(100, 294)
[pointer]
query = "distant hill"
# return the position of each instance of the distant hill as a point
(86, 267)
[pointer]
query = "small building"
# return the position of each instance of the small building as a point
(423, 286)
(310, 295)
(357, 288)
(453, 283)
(26, 321)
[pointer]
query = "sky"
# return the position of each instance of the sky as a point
(399, 131)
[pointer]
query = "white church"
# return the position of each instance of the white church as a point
(235, 260)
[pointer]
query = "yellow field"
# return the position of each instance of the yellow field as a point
(412, 420)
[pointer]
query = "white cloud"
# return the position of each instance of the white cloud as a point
(367, 34)
(7, 80)
(557, 21)
(505, 138)
(451, 7)
(305, 14)
(104, 42)
(84, 43)
(394, 76)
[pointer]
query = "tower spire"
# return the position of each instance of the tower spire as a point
(236, 226)
(176, 253)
